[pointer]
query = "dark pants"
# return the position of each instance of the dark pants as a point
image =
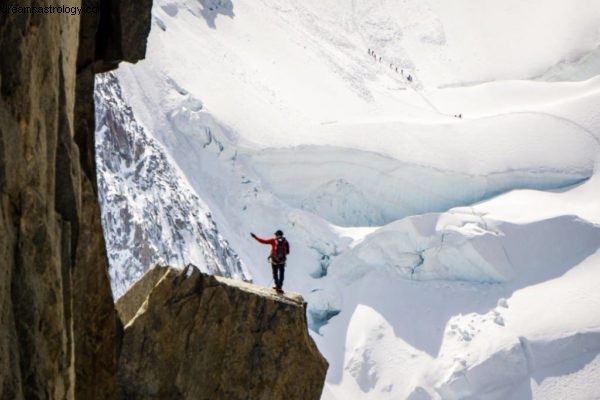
(278, 271)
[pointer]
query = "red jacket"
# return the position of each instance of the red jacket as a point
(273, 243)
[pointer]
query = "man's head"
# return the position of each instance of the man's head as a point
(279, 233)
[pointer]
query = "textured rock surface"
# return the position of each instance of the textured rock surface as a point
(58, 325)
(121, 32)
(197, 336)
(37, 73)
(130, 303)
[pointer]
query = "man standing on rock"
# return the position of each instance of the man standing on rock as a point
(280, 248)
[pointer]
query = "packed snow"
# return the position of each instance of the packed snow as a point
(445, 229)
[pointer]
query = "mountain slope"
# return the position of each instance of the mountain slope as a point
(412, 230)
(149, 213)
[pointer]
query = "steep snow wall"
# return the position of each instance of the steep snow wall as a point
(353, 187)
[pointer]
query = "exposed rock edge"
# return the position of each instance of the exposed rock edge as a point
(189, 335)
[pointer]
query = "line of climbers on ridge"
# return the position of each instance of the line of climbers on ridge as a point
(409, 77)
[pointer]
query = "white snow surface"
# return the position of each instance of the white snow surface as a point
(441, 257)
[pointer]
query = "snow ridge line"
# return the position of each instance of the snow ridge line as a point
(547, 114)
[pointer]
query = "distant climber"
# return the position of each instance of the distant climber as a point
(409, 78)
(280, 248)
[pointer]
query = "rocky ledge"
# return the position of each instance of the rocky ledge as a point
(188, 335)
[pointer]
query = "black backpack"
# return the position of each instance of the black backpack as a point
(280, 252)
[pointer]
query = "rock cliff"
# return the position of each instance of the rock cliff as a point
(59, 330)
(194, 336)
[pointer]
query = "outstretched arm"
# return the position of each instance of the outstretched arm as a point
(261, 240)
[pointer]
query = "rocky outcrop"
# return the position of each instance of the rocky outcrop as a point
(193, 336)
(59, 330)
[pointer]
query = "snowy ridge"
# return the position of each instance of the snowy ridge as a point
(450, 334)
(149, 212)
(464, 245)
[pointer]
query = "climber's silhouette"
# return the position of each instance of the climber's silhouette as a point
(280, 248)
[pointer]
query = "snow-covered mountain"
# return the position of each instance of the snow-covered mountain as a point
(441, 257)
(150, 214)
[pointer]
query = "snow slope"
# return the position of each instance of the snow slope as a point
(303, 79)
(438, 330)
(441, 257)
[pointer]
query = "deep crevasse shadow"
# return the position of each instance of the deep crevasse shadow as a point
(212, 8)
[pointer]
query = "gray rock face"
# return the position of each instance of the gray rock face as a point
(191, 336)
(58, 326)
